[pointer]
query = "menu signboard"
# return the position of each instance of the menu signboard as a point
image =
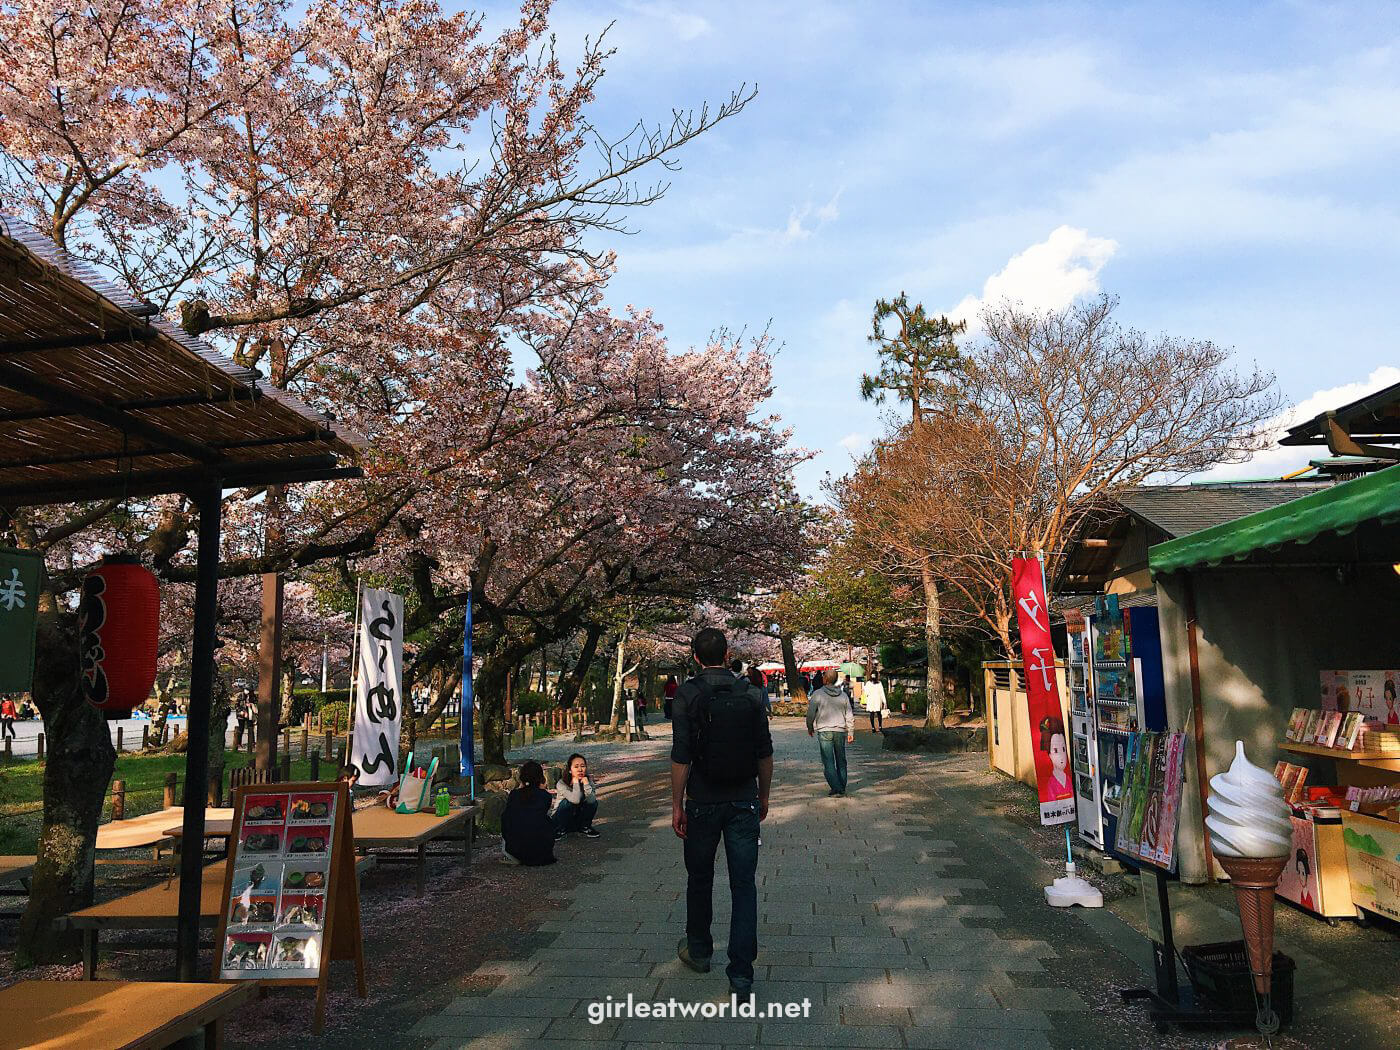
(291, 899)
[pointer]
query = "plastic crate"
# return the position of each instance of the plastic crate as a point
(1220, 973)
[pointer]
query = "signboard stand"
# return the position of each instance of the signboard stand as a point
(291, 900)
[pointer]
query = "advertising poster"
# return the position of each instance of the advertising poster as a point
(379, 697)
(1373, 861)
(277, 893)
(1298, 883)
(1049, 735)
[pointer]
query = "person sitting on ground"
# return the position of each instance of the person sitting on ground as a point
(525, 824)
(575, 800)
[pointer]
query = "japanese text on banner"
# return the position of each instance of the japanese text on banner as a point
(379, 699)
(1048, 734)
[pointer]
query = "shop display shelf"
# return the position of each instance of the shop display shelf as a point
(1387, 760)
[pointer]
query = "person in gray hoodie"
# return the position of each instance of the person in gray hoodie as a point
(830, 720)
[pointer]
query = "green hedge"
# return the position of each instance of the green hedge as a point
(335, 716)
(530, 703)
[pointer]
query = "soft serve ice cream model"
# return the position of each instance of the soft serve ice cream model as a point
(1251, 836)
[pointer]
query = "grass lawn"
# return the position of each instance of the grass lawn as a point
(22, 787)
(22, 791)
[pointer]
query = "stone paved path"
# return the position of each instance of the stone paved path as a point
(861, 911)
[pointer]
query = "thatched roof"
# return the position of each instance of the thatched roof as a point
(99, 397)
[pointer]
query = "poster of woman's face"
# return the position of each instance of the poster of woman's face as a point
(1298, 883)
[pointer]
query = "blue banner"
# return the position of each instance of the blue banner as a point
(468, 743)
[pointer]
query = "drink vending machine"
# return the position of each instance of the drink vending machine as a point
(1119, 657)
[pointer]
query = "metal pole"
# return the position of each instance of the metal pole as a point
(206, 611)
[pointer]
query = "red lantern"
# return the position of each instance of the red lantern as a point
(118, 628)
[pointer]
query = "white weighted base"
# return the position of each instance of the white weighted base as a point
(1072, 890)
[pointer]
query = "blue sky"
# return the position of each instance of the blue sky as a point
(1228, 171)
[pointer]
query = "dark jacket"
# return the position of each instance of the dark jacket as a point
(526, 827)
(684, 713)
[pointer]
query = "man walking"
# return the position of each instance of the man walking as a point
(721, 771)
(831, 720)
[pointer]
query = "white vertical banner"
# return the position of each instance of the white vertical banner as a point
(374, 748)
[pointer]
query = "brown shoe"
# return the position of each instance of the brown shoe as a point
(683, 953)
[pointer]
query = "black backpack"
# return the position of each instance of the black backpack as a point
(725, 750)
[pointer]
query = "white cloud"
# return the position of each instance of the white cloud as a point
(1278, 460)
(855, 443)
(685, 25)
(1046, 276)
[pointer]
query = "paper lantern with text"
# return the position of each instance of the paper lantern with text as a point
(118, 628)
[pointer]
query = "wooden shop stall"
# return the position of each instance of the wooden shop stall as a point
(1278, 629)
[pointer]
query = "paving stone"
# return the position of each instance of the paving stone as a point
(467, 1028)
(967, 1017)
(1041, 999)
(689, 1032)
(980, 1039)
(783, 1033)
(497, 1005)
(582, 1030)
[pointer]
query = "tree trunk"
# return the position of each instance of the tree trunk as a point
(269, 662)
(220, 704)
(491, 705)
(618, 675)
(289, 694)
(790, 668)
(571, 684)
(933, 639)
(79, 766)
(165, 703)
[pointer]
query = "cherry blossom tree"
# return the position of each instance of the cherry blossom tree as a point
(349, 197)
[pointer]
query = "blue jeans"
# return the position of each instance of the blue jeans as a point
(569, 817)
(737, 822)
(833, 748)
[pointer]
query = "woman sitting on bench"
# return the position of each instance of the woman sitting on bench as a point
(575, 800)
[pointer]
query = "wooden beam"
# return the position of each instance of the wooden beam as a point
(78, 342)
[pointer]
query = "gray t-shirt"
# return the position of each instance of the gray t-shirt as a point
(684, 714)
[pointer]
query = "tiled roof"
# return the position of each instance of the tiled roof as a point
(1179, 510)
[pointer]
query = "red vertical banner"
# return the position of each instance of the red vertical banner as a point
(1049, 735)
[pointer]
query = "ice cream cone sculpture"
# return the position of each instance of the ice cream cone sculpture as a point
(1251, 836)
(1254, 880)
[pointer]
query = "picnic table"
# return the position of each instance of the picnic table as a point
(150, 829)
(115, 1015)
(154, 908)
(403, 838)
(16, 869)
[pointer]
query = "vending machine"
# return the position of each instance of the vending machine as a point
(1084, 734)
(1128, 690)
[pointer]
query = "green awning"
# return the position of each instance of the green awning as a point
(1339, 509)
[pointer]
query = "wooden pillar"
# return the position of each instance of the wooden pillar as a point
(206, 614)
(269, 671)
(118, 798)
(315, 765)
(145, 736)
(41, 747)
(120, 748)
(168, 797)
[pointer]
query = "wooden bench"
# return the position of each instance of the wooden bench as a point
(404, 837)
(115, 1015)
(154, 908)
